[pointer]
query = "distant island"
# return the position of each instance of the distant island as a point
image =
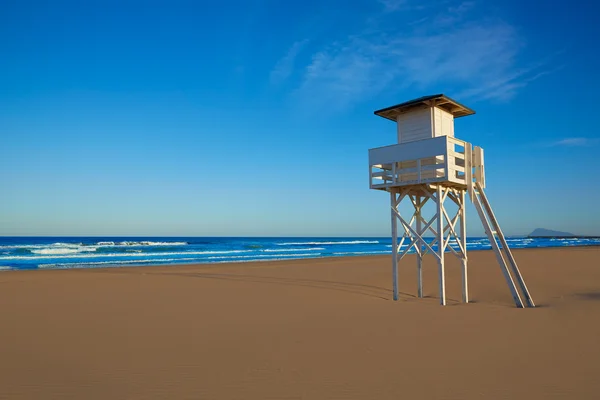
(541, 232)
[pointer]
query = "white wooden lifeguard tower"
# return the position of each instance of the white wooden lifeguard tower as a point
(430, 164)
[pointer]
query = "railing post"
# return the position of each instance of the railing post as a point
(446, 161)
(469, 169)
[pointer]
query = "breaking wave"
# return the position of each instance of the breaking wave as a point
(328, 243)
(303, 249)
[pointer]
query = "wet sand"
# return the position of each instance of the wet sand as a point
(310, 329)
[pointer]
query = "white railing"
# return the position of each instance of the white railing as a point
(440, 159)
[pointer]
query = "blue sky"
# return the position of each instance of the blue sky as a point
(255, 117)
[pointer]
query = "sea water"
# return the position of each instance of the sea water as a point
(89, 252)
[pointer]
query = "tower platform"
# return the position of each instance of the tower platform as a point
(439, 160)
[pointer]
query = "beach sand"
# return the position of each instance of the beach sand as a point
(310, 329)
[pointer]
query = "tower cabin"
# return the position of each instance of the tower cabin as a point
(427, 151)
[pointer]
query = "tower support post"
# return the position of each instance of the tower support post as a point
(419, 249)
(463, 241)
(417, 232)
(394, 206)
(440, 244)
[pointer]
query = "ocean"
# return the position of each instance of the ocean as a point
(18, 253)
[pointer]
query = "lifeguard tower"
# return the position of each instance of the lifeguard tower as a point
(430, 165)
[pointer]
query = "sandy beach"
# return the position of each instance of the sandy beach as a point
(310, 329)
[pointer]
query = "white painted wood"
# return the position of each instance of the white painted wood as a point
(478, 165)
(453, 170)
(424, 161)
(407, 151)
(505, 248)
(440, 240)
(394, 246)
(482, 168)
(463, 241)
(469, 169)
(443, 123)
(407, 234)
(490, 234)
(424, 169)
(447, 161)
(453, 140)
(458, 156)
(414, 125)
(419, 205)
(450, 226)
(432, 121)
(428, 227)
(410, 229)
(424, 123)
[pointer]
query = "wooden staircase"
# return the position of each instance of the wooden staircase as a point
(500, 247)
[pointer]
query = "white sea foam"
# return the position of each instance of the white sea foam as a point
(115, 263)
(64, 250)
(169, 260)
(39, 246)
(261, 256)
(259, 260)
(5, 268)
(145, 243)
(55, 251)
(362, 252)
(303, 249)
(126, 255)
(328, 243)
(93, 247)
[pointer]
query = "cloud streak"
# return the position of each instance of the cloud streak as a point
(392, 5)
(285, 66)
(576, 142)
(472, 58)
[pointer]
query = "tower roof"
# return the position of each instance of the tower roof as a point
(437, 100)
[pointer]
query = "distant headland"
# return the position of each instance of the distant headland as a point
(542, 232)
(549, 233)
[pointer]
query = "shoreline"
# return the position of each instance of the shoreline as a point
(199, 264)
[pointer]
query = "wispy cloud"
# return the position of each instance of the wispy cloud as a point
(470, 57)
(505, 86)
(285, 66)
(454, 14)
(576, 142)
(392, 5)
